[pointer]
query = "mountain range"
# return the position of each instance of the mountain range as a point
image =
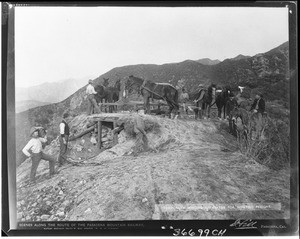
(267, 72)
(49, 92)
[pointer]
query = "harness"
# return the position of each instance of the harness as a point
(152, 93)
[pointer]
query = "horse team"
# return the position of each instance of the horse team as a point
(228, 101)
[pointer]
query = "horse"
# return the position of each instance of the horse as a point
(153, 90)
(102, 95)
(221, 101)
(108, 94)
(244, 129)
(204, 99)
(243, 98)
(114, 92)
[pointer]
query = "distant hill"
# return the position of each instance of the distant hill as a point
(50, 92)
(240, 57)
(207, 61)
(267, 72)
(28, 104)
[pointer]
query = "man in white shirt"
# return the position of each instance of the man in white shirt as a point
(90, 91)
(64, 131)
(184, 99)
(35, 146)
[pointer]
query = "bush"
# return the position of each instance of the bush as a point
(273, 149)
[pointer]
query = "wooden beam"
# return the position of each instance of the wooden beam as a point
(99, 134)
(115, 139)
(82, 133)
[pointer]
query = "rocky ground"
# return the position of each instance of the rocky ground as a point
(189, 163)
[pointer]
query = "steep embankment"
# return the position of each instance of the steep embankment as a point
(189, 162)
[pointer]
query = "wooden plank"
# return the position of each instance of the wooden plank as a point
(115, 139)
(131, 103)
(99, 134)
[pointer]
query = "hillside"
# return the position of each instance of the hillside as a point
(50, 92)
(189, 163)
(267, 72)
(207, 61)
(240, 57)
(28, 104)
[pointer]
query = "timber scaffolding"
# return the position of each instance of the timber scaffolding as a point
(109, 120)
(135, 104)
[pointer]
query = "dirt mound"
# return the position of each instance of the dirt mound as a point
(189, 163)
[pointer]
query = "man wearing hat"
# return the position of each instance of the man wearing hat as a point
(64, 131)
(90, 91)
(258, 108)
(36, 154)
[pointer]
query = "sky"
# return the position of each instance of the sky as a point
(58, 43)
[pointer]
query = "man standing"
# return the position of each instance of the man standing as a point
(258, 108)
(184, 100)
(90, 91)
(64, 131)
(230, 104)
(35, 146)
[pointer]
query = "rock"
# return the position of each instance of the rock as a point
(61, 209)
(145, 200)
(65, 203)
(19, 215)
(27, 218)
(48, 203)
(82, 142)
(104, 139)
(61, 192)
(89, 210)
(89, 150)
(60, 214)
(34, 204)
(22, 202)
(45, 217)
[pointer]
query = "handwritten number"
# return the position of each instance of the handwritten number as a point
(177, 231)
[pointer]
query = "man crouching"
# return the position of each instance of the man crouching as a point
(35, 146)
(141, 143)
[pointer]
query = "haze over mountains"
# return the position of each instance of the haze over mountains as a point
(46, 93)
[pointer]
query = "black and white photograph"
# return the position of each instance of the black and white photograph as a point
(125, 116)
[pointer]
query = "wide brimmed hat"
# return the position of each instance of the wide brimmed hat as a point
(32, 130)
(90, 81)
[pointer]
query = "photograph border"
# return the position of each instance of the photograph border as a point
(141, 228)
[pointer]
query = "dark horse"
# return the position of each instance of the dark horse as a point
(153, 90)
(204, 100)
(106, 94)
(221, 101)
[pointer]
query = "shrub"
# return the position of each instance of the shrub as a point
(273, 148)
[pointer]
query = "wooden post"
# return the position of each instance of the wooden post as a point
(99, 134)
(115, 136)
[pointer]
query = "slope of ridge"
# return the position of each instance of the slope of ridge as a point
(190, 163)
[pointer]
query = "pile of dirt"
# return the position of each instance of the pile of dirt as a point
(189, 163)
